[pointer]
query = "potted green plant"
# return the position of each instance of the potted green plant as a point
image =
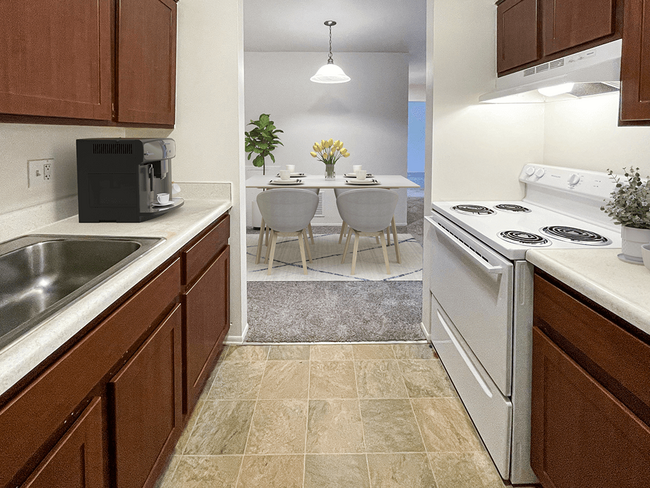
(629, 206)
(262, 140)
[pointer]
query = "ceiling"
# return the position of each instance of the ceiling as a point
(394, 26)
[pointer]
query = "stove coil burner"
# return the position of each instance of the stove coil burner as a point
(511, 207)
(578, 236)
(526, 238)
(473, 209)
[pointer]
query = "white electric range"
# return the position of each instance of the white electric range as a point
(481, 292)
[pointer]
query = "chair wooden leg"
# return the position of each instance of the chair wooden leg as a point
(304, 232)
(267, 235)
(356, 248)
(311, 233)
(274, 238)
(301, 238)
(268, 251)
(399, 259)
(260, 240)
(343, 226)
(347, 243)
(383, 248)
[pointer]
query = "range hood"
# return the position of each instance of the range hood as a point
(591, 72)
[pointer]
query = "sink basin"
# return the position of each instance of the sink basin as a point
(41, 274)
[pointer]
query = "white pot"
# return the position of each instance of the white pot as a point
(633, 239)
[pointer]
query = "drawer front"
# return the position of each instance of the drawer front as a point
(201, 253)
(621, 355)
(582, 436)
(30, 419)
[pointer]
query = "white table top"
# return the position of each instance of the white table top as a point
(319, 181)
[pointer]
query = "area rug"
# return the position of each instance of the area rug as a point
(344, 311)
(326, 260)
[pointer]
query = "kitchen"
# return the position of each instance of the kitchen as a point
(470, 144)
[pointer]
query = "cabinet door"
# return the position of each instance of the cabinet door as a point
(635, 62)
(146, 61)
(207, 320)
(77, 461)
(147, 405)
(517, 34)
(582, 436)
(570, 23)
(56, 58)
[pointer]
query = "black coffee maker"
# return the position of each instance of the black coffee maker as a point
(125, 180)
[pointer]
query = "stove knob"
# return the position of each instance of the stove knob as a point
(540, 172)
(530, 171)
(574, 179)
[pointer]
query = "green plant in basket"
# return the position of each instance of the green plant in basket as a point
(629, 203)
(262, 140)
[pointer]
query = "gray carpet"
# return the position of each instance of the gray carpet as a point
(339, 311)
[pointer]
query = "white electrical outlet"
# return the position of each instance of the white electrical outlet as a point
(39, 172)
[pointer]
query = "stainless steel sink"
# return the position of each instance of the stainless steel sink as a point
(41, 274)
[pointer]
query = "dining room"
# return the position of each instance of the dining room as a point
(369, 116)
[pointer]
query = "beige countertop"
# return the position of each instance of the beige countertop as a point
(598, 274)
(177, 228)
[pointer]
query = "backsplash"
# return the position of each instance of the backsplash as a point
(24, 142)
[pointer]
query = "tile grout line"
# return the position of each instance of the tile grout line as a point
(250, 427)
(304, 456)
(363, 431)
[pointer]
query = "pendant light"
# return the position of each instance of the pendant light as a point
(330, 73)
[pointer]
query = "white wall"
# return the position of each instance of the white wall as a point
(209, 119)
(584, 134)
(478, 150)
(369, 114)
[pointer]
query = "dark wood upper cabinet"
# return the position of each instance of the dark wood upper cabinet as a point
(517, 34)
(532, 32)
(146, 61)
(56, 58)
(101, 62)
(570, 23)
(635, 62)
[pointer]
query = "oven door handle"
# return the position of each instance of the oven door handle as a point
(472, 254)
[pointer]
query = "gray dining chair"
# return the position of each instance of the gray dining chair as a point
(391, 227)
(367, 213)
(263, 238)
(287, 212)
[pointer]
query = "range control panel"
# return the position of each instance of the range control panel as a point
(585, 182)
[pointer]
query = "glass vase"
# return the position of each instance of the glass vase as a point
(329, 171)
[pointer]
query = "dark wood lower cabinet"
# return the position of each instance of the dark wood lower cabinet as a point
(77, 461)
(589, 410)
(147, 405)
(107, 411)
(206, 323)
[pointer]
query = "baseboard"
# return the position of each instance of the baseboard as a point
(237, 340)
(425, 332)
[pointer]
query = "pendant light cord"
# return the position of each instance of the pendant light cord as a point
(330, 60)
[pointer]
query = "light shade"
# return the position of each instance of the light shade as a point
(330, 73)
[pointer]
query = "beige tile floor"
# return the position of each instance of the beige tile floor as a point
(321, 416)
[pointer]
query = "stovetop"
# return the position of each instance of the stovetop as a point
(496, 223)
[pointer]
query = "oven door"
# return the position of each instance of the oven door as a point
(474, 286)
(490, 411)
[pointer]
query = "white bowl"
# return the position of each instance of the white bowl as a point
(645, 252)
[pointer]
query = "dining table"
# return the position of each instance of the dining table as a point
(302, 180)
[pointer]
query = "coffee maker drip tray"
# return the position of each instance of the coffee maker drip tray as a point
(163, 207)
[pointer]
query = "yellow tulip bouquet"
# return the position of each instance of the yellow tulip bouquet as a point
(329, 152)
